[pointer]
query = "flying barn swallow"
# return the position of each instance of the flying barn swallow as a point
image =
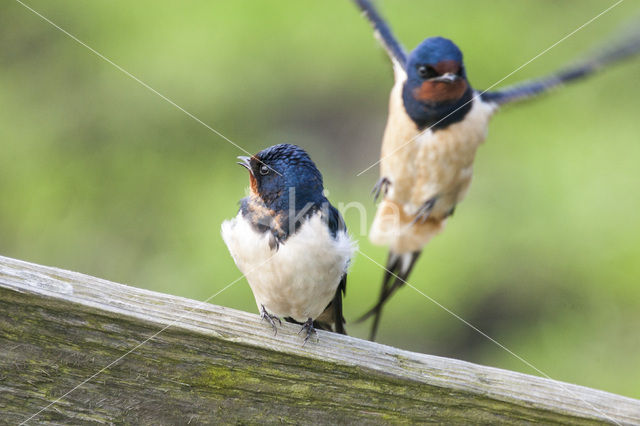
(436, 122)
(290, 242)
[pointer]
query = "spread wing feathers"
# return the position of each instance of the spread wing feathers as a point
(624, 48)
(397, 271)
(383, 33)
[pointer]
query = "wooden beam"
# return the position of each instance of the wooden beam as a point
(215, 364)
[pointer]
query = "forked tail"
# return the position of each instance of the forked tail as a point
(397, 271)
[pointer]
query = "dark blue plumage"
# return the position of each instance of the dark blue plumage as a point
(288, 222)
(425, 93)
(436, 123)
(289, 189)
(612, 52)
(390, 43)
(433, 50)
(285, 166)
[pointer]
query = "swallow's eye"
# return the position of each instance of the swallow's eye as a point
(427, 71)
(264, 170)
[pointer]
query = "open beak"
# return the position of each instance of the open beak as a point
(245, 162)
(446, 78)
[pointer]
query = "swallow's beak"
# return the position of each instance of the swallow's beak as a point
(245, 162)
(446, 78)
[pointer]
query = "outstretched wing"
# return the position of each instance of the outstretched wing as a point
(629, 46)
(383, 33)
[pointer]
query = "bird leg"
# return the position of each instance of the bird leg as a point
(270, 318)
(308, 326)
(424, 211)
(380, 187)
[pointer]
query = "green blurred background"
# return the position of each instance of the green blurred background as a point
(102, 176)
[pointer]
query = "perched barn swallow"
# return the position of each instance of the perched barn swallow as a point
(436, 122)
(290, 242)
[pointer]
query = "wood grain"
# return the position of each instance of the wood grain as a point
(218, 365)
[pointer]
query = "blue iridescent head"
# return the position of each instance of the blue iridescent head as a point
(283, 171)
(436, 84)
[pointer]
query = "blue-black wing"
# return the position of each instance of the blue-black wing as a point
(336, 224)
(383, 32)
(626, 48)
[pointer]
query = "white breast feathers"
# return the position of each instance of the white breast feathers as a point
(301, 276)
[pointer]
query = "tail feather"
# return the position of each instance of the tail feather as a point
(397, 271)
(393, 264)
(338, 318)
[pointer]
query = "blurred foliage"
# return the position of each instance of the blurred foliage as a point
(102, 176)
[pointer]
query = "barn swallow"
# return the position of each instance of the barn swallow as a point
(436, 122)
(290, 242)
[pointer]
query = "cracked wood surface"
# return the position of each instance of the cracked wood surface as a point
(219, 365)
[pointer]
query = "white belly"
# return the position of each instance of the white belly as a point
(422, 166)
(301, 277)
(437, 163)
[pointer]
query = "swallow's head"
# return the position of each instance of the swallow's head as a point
(436, 81)
(435, 72)
(281, 172)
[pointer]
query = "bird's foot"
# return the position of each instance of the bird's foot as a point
(380, 187)
(424, 211)
(451, 211)
(270, 318)
(310, 329)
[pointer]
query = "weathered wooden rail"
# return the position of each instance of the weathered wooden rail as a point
(214, 364)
